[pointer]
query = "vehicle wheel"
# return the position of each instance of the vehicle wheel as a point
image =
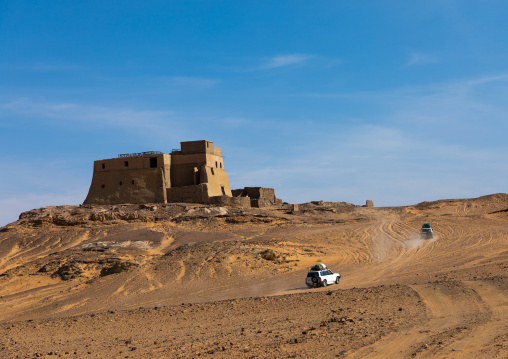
(337, 280)
(314, 280)
(325, 283)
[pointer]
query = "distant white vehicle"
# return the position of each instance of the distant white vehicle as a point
(319, 276)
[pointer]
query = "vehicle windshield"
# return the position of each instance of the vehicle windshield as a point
(313, 274)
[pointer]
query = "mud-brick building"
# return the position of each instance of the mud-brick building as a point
(193, 174)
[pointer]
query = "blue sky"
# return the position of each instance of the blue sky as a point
(394, 101)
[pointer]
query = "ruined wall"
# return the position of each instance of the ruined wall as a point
(260, 203)
(259, 196)
(127, 186)
(188, 194)
(261, 192)
(239, 192)
(243, 202)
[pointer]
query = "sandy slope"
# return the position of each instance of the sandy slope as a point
(197, 281)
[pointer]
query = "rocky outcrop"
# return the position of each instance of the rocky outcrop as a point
(118, 267)
(68, 271)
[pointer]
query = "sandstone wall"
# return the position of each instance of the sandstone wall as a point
(217, 180)
(243, 202)
(239, 192)
(127, 186)
(131, 163)
(196, 146)
(189, 147)
(259, 196)
(183, 174)
(188, 194)
(183, 166)
(261, 192)
(193, 174)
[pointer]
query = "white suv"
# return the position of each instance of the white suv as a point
(316, 278)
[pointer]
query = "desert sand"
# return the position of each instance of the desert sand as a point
(188, 281)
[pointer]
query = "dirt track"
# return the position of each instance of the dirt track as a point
(197, 281)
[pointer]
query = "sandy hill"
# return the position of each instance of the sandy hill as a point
(189, 281)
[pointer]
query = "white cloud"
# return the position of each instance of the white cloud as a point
(386, 164)
(97, 116)
(160, 127)
(464, 102)
(187, 82)
(285, 60)
(425, 143)
(77, 112)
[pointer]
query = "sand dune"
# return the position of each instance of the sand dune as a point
(186, 280)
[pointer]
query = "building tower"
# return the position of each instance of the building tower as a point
(193, 174)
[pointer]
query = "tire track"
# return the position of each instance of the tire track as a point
(446, 312)
(482, 338)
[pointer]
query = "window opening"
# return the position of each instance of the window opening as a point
(221, 165)
(121, 183)
(132, 182)
(213, 172)
(197, 178)
(103, 185)
(223, 190)
(126, 163)
(153, 162)
(103, 165)
(216, 165)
